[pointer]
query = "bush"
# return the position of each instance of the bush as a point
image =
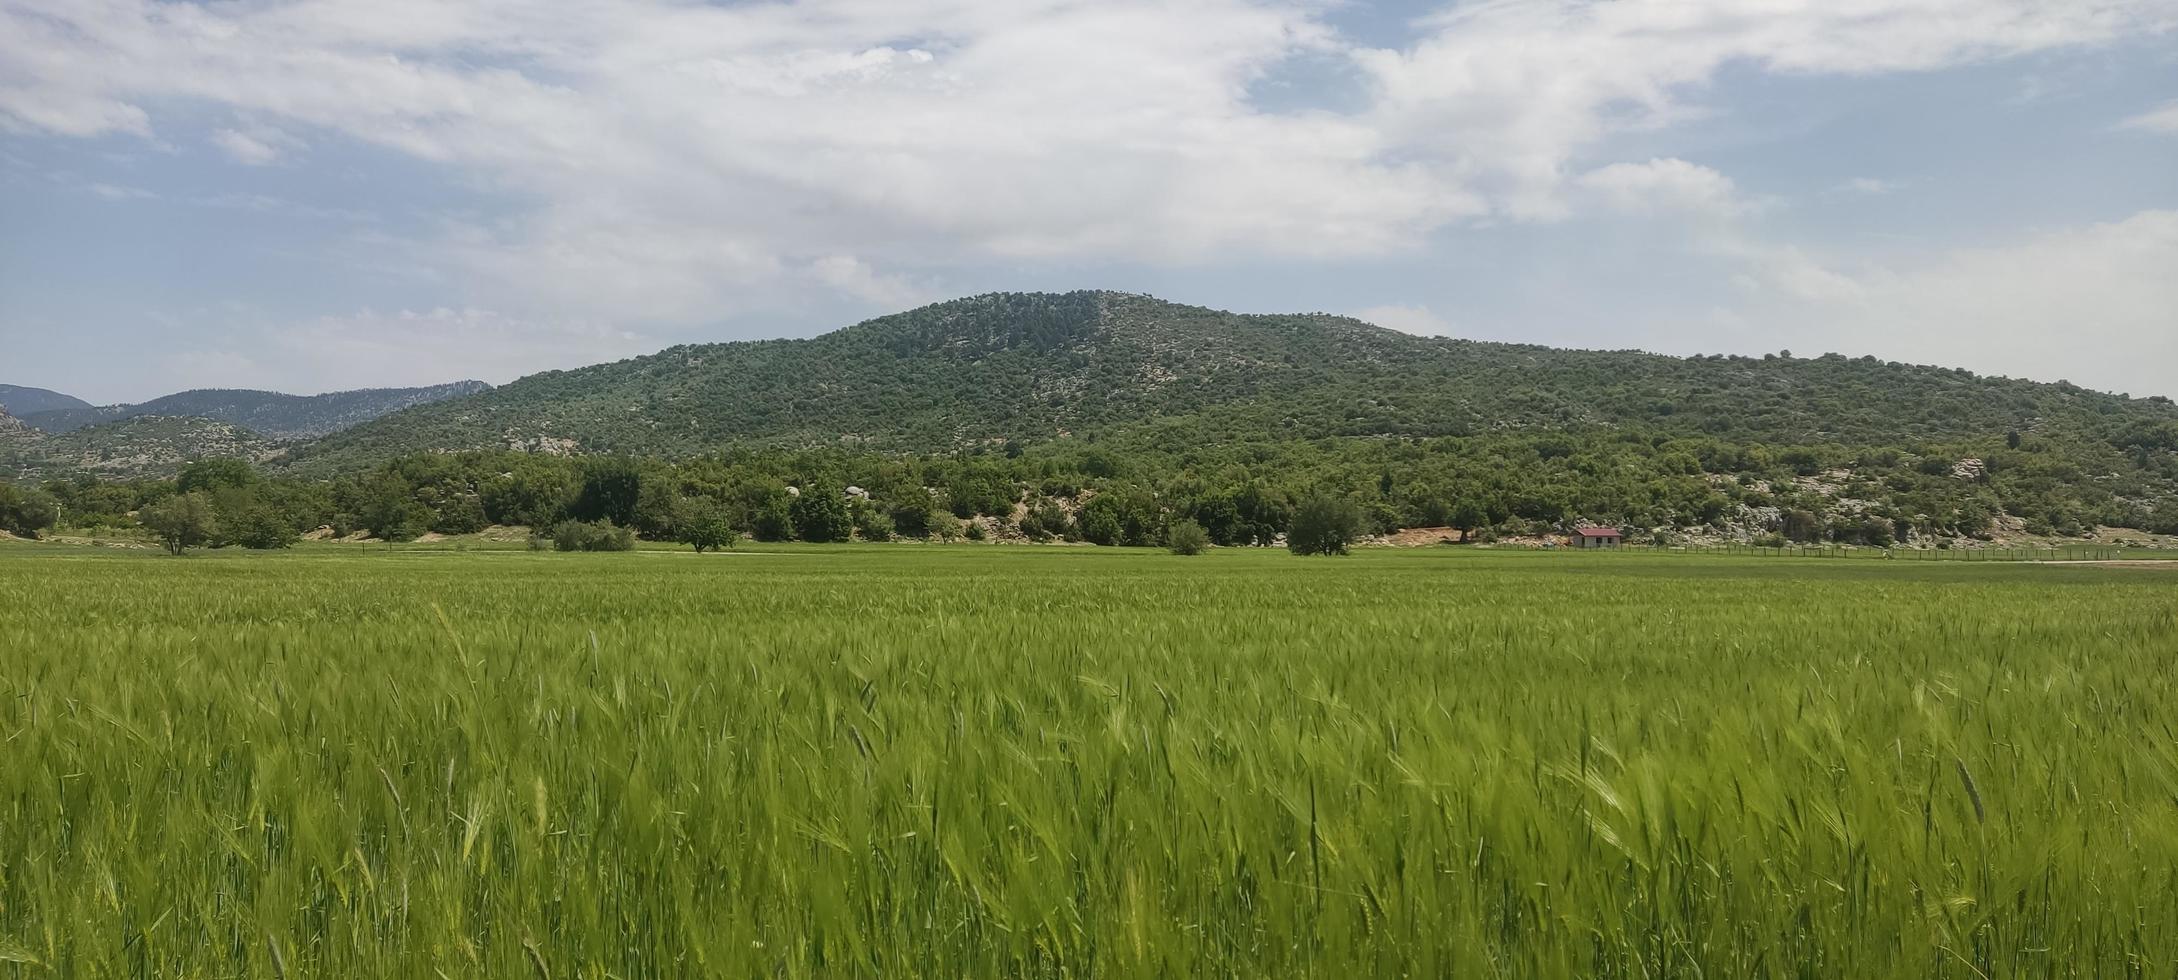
(872, 525)
(911, 517)
(1187, 538)
(600, 536)
(1323, 525)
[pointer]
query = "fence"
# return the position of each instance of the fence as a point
(2066, 553)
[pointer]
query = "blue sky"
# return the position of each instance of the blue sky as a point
(323, 194)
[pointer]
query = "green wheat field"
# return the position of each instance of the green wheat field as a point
(971, 761)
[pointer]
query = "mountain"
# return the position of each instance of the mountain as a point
(144, 445)
(1135, 370)
(266, 413)
(19, 401)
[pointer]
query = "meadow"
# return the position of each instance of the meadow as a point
(970, 761)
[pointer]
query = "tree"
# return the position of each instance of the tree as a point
(260, 527)
(387, 507)
(181, 521)
(611, 489)
(911, 513)
(773, 518)
(1187, 538)
(1099, 521)
(25, 511)
(701, 523)
(1324, 525)
(820, 515)
(1800, 525)
(212, 474)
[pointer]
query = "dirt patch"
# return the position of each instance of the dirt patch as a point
(1421, 537)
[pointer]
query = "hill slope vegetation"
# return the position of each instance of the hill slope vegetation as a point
(1035, 367)
(266, 413)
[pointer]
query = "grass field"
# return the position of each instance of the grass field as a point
(1015, 762)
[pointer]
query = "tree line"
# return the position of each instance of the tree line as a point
(1137, 494)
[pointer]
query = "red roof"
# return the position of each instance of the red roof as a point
(1599, 532)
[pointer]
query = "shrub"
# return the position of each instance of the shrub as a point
(600, 536)
(872, 525)
(1187, 538)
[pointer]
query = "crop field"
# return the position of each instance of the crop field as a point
(968, 761)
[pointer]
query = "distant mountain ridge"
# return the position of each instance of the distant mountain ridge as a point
(1033, 367)
(20, 401)
(270, 414)
(123, 449)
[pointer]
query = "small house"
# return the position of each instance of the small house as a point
(1598, 537)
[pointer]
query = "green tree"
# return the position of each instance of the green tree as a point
(25, 511)
(612, 487)
(700, 523)
(182, 521)
(1187, 538)
(773, 518)
(259, 527)
(820, 515)
(387, 508)
(1323, 525)
(911, 513)
(1100, 521)
(212, 474)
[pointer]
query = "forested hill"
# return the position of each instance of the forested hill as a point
(266, 413)
(19, 401)
(1128, 369)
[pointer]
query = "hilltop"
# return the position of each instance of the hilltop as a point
(19, 401)
(1029, 368)
(269, 414)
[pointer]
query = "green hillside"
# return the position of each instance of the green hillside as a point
(1038, 367)
(268, 413)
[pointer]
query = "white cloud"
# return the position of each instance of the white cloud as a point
(118, 192)
(1414, 319)
(854, 277)
(1664, 186)
(260, 146)
(2160, 120)
(1869, 186)
(2096, 304)
(676, 162)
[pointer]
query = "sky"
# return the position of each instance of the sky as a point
(314, 195)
